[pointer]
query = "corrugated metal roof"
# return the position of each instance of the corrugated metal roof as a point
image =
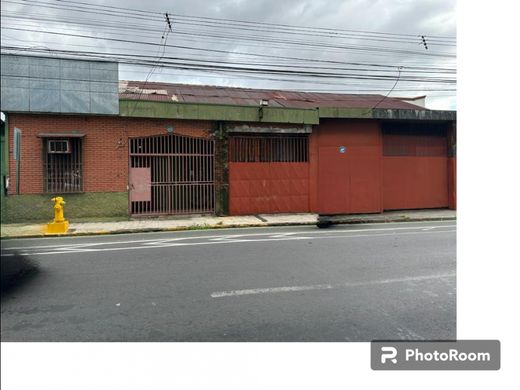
(211, 94)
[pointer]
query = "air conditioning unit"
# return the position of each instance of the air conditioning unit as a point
(58, 146)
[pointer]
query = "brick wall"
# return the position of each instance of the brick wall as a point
(105, 146)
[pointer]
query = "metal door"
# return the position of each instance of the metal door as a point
(171, 174)
(268, 174)
(415, 166)
(334, 181)
(349, 168)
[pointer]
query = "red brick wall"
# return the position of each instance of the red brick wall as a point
(105, 146)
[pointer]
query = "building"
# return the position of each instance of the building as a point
(118, 149)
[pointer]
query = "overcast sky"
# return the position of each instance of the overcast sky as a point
(435, 18)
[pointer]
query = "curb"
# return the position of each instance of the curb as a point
(349, 221)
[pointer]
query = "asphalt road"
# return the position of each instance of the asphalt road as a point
(345, 283)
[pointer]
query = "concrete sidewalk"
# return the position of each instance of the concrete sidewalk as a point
(213, 222)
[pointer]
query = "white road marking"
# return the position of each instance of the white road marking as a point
(281, 235)
(275, 290)
(223, 229)
(211, 242)
(224, 238)
(220, 237)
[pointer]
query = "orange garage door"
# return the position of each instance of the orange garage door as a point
(415, 167)
(268, 174)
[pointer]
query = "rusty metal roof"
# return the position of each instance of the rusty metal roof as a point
(211, 94)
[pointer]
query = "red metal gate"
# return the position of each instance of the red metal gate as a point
(349, 167)
(415, 167)
(171, 174)
(268, 174)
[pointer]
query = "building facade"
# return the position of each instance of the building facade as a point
(179, 149)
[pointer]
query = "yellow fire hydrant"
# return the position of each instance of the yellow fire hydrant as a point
(59, 225)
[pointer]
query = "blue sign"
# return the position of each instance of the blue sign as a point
(342, 149)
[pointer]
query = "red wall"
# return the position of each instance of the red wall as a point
(415, 182)
(105, 146)
(359, 181)
(452, 182)
(350, 182)
(415, 166)
(274, 187)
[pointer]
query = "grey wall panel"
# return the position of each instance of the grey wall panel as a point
(104, 103)
(15, 82)
(70, 73)
(43, 83)
(54, 85)
(72, 85)
(98, 86)
(15, 65)
(43, 100)
(44, 68)
(74, 101)
(15, 99)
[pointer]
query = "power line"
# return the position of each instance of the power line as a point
(389, 92)
(128, 58)
(216, 30)
(292, 62)
(344, 66)
(269, 41)
(152, 44)
(207, 33)
(119, 11)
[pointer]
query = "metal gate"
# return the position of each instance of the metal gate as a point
(171, 174)
(415, 166)
(268, 174)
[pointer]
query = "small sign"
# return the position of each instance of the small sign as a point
(17, 142)
(342, 149)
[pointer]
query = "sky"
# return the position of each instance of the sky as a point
(383, 37)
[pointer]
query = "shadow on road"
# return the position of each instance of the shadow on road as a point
(16, 271)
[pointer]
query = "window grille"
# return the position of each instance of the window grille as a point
(270, 148)
(63, 165)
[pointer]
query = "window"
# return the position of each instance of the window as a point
(270, 148)
(63, 165)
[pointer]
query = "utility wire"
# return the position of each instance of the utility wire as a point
(173, 46)
(389, 92)
(155, 15)
(164, 37)
(115, 14)
(127, 58)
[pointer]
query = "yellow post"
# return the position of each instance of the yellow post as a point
(59, 225)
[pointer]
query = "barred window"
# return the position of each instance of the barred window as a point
(270, 148)
(63, 165)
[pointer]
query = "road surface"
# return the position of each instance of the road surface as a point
(345, 283)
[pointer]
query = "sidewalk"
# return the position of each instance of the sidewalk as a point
(211, 222)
